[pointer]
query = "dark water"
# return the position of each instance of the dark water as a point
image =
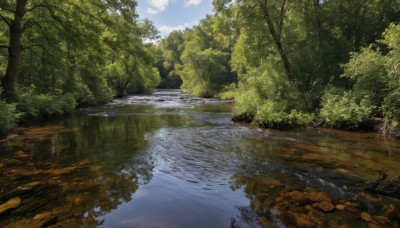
(171, 160)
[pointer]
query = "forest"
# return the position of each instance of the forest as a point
(287, 63)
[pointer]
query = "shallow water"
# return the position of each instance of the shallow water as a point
(172, 160)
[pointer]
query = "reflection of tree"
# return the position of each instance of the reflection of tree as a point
(72, 179)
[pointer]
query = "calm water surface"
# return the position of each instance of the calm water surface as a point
(171, 160)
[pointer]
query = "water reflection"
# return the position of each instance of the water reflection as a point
(73, 176)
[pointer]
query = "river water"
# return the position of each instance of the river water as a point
(172, 160)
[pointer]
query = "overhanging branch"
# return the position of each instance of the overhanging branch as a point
(49, 8)
(5, 19)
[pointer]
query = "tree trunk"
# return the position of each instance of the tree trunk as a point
(14, 51)
(276, 35)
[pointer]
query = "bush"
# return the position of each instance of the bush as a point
(343, 110)
(248, 101)
(229, 92)
(276, 115)
(8, 116)
(45, 105)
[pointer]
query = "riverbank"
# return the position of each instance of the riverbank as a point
(372, 125)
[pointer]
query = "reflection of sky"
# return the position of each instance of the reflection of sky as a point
(171, 15)
(169, 202)
(185, 189)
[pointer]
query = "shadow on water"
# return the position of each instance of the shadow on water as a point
(172, 160)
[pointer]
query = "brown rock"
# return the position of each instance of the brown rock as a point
(244, 117)
(366, 217)
(268, 202)
(298, 198)
(373, 225)
(270, 182)
(390, 209)
(22, 223)
(340, 207)
(326, 206)
(382, 219)
(301, 220)
(318, 197)
(279, 199)
(42, 216)
(316, 216)
(369, 198)
(12, 203)
(343, 171)
(309, 208)
(62, 170)
(335, 224)
(20, 154)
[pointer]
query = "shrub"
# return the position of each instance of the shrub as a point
(277, 115)
(344, 110)
(8, 116)
(45, 105)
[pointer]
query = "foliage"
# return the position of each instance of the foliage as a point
(287, 53)
(229, 92)
(375, 90)
(73, 53)
(8, 116)
(275, 114)
(344, 109)
(33, 105)
(205, 66)
(367, 69)
(391, 104)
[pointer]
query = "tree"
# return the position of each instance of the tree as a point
(205, 61)
(23, 16)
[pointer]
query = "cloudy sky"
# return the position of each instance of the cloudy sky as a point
(169, 15)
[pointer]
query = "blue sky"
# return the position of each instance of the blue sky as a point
(169, 15)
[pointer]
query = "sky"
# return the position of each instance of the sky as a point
(169, 15)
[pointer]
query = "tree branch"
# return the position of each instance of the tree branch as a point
(4, 47)
(30, 47)
(50, 10)
(5, 19)
(282, 17)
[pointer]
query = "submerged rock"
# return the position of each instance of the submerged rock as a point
(326, 206)
(10, 204)
(365, 216)
(340, 207)
(385, 186)
(301, 220)
(42, 216)
(20, 154)
(243, 117)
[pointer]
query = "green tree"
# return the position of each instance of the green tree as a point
(205, 61)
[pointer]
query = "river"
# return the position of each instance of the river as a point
(172, 160)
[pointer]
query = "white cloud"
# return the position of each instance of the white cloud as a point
(157, 6)
(152, 11)
(166, 29)
(193, 2)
